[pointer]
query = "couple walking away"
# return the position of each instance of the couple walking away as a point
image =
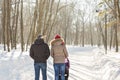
(40, 52)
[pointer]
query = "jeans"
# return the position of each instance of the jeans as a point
(38, 67)
(59, 68)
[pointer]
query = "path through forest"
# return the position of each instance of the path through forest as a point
(84, 65)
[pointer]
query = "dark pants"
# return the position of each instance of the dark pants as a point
(66, 75)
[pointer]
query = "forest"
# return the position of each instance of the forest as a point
(88, 22)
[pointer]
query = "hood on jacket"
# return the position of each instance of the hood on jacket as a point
(60, 40)
(39, 41)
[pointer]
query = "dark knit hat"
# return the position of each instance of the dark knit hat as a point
(57, 36)
(39, 37)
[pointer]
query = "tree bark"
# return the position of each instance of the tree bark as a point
(21, 24)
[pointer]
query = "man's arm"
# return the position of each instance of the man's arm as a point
(47, 51)
(31, 52)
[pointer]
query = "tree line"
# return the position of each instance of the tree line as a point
(93, 23)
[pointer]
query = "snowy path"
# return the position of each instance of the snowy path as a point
(85, 65)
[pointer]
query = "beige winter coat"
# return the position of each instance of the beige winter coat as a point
(58, 51)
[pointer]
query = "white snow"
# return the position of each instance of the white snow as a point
(86, 63)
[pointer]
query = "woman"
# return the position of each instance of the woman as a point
(59, 53)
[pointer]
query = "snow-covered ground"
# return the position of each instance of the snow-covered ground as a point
(86, 63)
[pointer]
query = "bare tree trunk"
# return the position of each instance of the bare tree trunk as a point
(105, 33)
(102, 34)
(91, 36)
(16, 24)
(30, 31)
(116, 39)
(76, 33)
(99, 33)
(40, 17)
(34, 21)
(21, 24)
(118, 8)
(111, 37)
(116, 13)
(83, 34)
(3, 23)
(49, 21)
(12, 29)
(45, 26)
(8, 24)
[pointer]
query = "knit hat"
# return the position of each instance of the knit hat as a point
(57, 36)
(40, 36)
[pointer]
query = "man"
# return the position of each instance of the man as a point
(40, 52)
